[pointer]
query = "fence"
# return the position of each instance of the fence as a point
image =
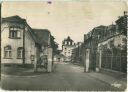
(117, 62)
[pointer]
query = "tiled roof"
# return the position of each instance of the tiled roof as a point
(42, 36)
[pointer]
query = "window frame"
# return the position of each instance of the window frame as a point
(14, 33)
(20, 49)
(32, 57)
(8, 50)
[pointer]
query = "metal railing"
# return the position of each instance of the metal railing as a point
(117, 62)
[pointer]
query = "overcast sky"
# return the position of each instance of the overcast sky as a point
(65, 18)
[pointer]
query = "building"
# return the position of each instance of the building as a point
(23, 45)
(59, 58)
(105, 47)
(113, 47)
(19, 44)
(121, 23)
(77, 53)
(43, 37)
(46, 43)
(67, 47)
(91, 40)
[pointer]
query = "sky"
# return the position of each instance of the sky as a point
(66, 18)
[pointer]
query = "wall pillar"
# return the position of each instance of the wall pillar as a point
(35, 60)
(50, 60)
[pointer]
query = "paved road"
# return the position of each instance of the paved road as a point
(65, 77)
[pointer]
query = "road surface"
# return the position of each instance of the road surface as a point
(66, 77)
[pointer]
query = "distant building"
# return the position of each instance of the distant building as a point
(77, 53)
(67, 47)
(59, 58)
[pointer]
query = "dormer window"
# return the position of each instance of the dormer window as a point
(14, 32)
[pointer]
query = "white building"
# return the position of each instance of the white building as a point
(67, 48)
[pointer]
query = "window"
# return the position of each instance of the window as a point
(69, 43)
(32, 57)
(65, 42)
(7, 52)
(14, 32)
(20, 52)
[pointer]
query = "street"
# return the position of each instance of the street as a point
(66, 77)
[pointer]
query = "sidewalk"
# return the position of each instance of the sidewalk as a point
(119, 83)
(21, 71)
(115, 80)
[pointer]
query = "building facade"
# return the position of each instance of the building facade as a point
(113, 47)
(23, 45)
(46, 51)
(105, 47)
(67, 48)
(77, 53)
(18, 42)
(90, 48)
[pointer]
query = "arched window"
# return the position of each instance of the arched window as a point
(7, 52)
(20, 52)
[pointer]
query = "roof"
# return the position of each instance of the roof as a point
(101, 26)
(15, 18)
(111, 27)
(42, 35)
(16, 21)
(68, 39)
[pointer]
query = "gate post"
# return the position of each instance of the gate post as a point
(100, 61)
(87, 60)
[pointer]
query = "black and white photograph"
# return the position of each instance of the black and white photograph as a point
(64, 45)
